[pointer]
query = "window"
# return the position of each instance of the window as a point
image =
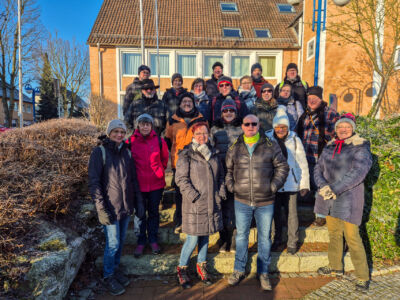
(268, 64)
(209, 61)
(228, 6)
(131, 63)
(311, 48)
(397, 59)
(28, 109)
(187, 65)
(232, 32)
(240, 66)
(285, 8)
(262, 33)
(164, 64)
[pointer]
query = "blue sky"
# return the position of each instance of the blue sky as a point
(70, 18)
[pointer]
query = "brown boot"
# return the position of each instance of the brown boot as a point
(183, 277)
(203, 274)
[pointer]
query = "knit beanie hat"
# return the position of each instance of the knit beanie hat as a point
(349, 118)
(316, 91)
(292, 66)
(113, 124)
(256, 66)
(267, 86)
(225, 79)
(142, 68)
(281, 117)
(175, 76)
(186, 94)
(228, 104)
(217, 64)
(145, 118)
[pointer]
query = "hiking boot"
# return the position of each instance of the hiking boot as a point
(138, 251)
(235, 278)
(362, 285)
(292, 250)
(113, 286)
(265, 282)
(155, 248)
(328, 271)
(203, 274)
(183, 277)
(319, 222)
(121, 278)
(178, 229)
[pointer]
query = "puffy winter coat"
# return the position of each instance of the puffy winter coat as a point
(265, 111)
(133, 92)
(171, 98)
(154, 107)
(201, 183)
(298, 177)
(180, 134)
(150, 161)
(258, 85)
(113, 184)
(255, 179)
(215, 105)
(248, 97)
(344, 173)
(299, 90)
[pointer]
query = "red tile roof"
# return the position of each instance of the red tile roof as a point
(194, 24)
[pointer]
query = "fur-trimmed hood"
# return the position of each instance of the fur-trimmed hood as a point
(355, 139)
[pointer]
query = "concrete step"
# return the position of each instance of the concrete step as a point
(166, 235)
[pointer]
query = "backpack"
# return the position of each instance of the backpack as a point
(103, 153)
(302, 82)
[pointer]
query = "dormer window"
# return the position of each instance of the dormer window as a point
(229, 7)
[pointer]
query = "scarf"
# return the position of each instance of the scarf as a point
(338, 147)
(258, 80)
(187, 115)
(283, 101)
(320, 112)
(203, 149)
(252, 139)
(200, 97)
(281, 143)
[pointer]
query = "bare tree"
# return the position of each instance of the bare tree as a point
(69, 63)
(30, 35)
(101, 111)
(373, 26)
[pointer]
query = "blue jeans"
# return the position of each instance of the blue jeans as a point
(188, 248)
(115, 237)
(151, 221)
(263, 215)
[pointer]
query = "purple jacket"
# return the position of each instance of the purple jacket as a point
(345, 174)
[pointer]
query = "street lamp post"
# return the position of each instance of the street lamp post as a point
(20, 112)
(34, 91)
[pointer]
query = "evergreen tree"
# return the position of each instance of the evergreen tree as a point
(48, 102)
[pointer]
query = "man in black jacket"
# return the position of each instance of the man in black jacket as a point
(211, 84)
(256, 170)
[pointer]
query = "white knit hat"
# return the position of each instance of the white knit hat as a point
(117, 123)
(281, 117)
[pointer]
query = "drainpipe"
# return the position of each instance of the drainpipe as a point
(100, 72)
(318, 40)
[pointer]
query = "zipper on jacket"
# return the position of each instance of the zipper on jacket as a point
(251, 181)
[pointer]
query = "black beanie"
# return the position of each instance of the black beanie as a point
(217, 64)
(292, 66)
(186, 94)
(256, 66)
(142, 68)
(316, 91)
(175, 76)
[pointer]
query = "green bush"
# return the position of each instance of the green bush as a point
(382, 208)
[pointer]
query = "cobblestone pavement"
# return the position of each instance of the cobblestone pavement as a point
(382, 287)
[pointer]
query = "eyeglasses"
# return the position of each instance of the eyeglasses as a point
(267, 91)
(224, 85)
(229, 110)
(254, 124)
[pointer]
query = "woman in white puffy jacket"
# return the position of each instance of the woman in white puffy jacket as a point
(297, 181)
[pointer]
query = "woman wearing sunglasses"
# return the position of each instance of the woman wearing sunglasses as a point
(224, 133)
(265, 107)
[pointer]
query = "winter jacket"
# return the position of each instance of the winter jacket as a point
(133, 92)
(180, 134)
(299, 90)
(201, 100)
(212, 87)
(266, 112)
(294, 110)
(248, 97)
(171, 98)
(215, 105)
(298, 177)
(223, 135)
(150, 161)
(255, 179)
(113, 184)
(154, 107)
(258, 85)
(201, 183)
(345, 174)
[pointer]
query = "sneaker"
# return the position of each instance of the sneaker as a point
(201, 269)
(113, 286)
(121, 278)
(319, 222)
(178, 229)
(362, 285)
(183, 277)
(235, 278)
(265, 282)
(138, 251)
(155, 248)
(328, 271)
(292, 250)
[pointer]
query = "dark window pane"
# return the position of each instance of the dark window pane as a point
(231, 32)
(229, 7)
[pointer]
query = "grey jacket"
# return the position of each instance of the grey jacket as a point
(201, 183)
(345, 174)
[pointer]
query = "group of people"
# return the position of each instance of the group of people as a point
(236, 156)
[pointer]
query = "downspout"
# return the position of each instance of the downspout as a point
(100, 72)
(318, 40)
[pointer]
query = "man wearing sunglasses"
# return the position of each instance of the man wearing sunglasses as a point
(265, 107)
(256, 169)
(149, 104)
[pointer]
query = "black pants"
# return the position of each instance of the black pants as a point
(178, 203)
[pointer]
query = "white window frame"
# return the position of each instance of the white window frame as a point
(228, 11)
(266, 29)
(122, 52)
(194, 53)
(232, 37)
(312, 40)
(161, 52)
(397, 58)
(285, 12)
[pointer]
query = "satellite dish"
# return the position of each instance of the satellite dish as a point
(341, 2)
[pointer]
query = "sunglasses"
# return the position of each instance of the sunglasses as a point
(254, 124)
(267, 91)
(224, 85)
(228, 110)
(149, 89)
